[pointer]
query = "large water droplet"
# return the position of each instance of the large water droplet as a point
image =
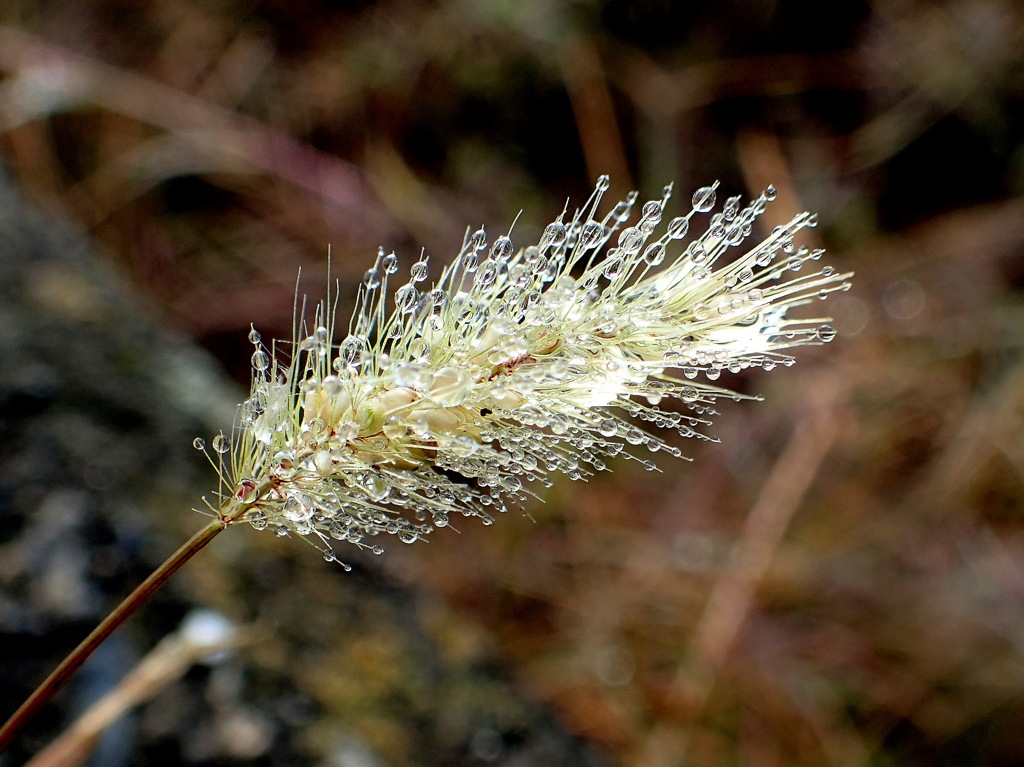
(501, 251)
(678, 227)
(590, 234)
(554, 235)
(418, 271)
(704, 199)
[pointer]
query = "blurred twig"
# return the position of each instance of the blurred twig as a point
(48, 78)
(165, 663)
(734, 592)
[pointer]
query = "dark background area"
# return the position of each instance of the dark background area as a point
(841, 580)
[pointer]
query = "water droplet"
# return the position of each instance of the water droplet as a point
(631, 240)
(464, 446)
(418, 271)
(704, 199)
(501, 251)
(395, 427)
(554, 235)
(590, 234)
(295, 511)
(826, 333)
(221, 443)
(260, 360)
(654, 254)
(678, 227)
(254, 335)
(612, 268)
(651, 211)
(199, 443)
(770, 193)
(352, 350)
(487, 274)
(389, 263)
(603, 182)
(701, 311)
(246, 491)
(405, 298)
(375, 486)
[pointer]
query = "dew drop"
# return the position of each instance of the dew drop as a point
(260, 360)
(631, 240)
(464, 446)
(654, 254)
(405, 298)
(590, 234)
(651, 211)
(704, 199)
(554, 235)
(487, 274)
(395, 427)
(418, 271)
(501, 251)
(678, 227)
(199, 443)
(221, 443)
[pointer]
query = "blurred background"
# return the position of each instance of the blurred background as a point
(841, 580)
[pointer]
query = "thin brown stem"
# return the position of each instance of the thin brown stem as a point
(45, 692)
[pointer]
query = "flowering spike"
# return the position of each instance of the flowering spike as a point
(452, 400)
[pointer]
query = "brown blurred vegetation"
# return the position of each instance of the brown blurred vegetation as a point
(841, 580)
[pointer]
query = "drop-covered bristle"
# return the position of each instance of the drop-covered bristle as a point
(514, 365)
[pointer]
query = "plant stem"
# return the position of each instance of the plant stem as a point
(45, 692)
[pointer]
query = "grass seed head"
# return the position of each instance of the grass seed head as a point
(453, 399)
